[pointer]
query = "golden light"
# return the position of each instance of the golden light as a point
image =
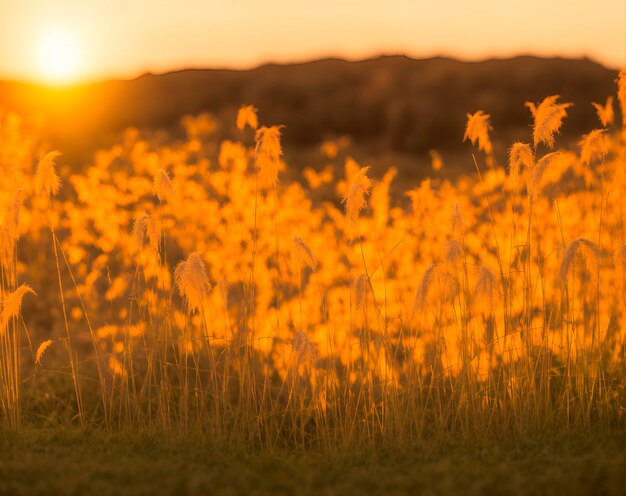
(59, 56)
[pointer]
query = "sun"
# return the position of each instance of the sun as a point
(59, 56)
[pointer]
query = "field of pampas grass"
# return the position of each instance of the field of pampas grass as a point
(178, 305)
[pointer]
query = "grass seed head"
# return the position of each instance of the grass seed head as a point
(42, 349)
(145, 224)
(247, 116)
(593, 145)
(477, 131)
(521, 156)
(267, 154)
(453, 252)
(548, 116)
(192, 281)
(536, 173)
(12, 304)
(486, 285)
(306, 351)
(605, 112)
(354, 198)
(46, 180)
(457, 221)
(590, 254)
(162, 186)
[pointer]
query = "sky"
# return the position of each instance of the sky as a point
(72, 40)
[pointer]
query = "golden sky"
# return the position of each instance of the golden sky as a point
(97, 39)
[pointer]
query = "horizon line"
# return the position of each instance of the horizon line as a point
(89, 81)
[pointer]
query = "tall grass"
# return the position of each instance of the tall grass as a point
(198, 291)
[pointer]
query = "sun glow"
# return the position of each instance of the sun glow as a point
(59, 56)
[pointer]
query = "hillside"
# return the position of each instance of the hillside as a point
(393, 107)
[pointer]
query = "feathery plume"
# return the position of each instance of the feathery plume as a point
(593, 145)
(477, 130)
(590, 253)
(145, 224)
(162, 186)
(303, 253)
(421, 295)
(306, 351)
(12, 304)
(140, 227)
(520, 155)
(453, 252)
(449, 286)
(247, 116)
(46, 180)
(41, 350)
(605, 112)
(548, 117)
(485, 284)
(268, 153)
(7, 250)
(12, 214)
(192, 281)
(355, 196)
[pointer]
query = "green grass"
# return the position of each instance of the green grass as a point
(70, 462)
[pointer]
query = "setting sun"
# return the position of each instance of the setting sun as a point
(58, 56)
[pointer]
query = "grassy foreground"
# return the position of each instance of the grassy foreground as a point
(73, 462)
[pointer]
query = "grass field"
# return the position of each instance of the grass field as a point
(67, 462)
(465, 336)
